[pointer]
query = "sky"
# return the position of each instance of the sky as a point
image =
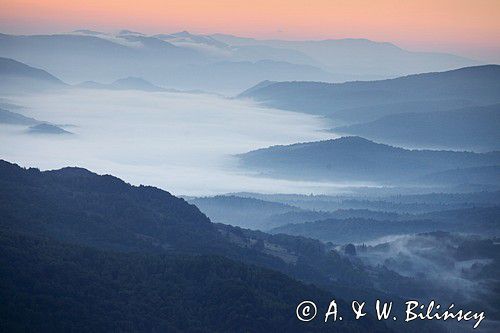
(465, 27)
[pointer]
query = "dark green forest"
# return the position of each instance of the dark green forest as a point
(82, 252)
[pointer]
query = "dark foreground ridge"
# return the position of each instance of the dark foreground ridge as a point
(83, 252)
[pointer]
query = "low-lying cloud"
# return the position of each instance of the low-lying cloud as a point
(180, 142)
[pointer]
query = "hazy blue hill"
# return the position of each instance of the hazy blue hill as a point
(311, 215)
(479, 85)
(484, 221)
(401, 204)
(13, 68)
(89, 57)
(88, 32)
(264, 215)
(185, 37)
(136, 83)
(13, 118)
(252, 53)
(355, 230)
(128, 83)
(260, 85)
(358, 159)
(373, 112)
(243, 212)
(171, 62)
(235, 76)
(473, 128)
(189, 61)
(359, 57)
(47, 129)
(480, 175)
(17, 77)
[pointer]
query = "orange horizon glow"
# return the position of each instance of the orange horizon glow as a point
(424, 24)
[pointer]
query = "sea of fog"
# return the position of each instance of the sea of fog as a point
(179, 142)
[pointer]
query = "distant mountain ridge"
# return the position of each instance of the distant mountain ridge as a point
(189, 61)
(364, 58)
(479, 85)
(357, 159)
(128, 83)
(13, 118)
(482, 220)
(13, 68)
(47, 129)
(17, 77)
(472, 128)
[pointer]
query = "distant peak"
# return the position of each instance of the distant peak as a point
(88, 32)
(74, 171)
(129, 32)
(353, 139)
(182, 34)
(132, 79)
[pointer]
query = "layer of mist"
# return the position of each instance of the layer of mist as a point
(180, 142)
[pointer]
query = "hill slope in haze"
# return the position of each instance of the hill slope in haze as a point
(473, 128)
(358, 58)
(478, 85)
(189, 61)
(13, 118)
(92, 56)
(483, 221)
(17, 77)
(128, 83)
(243, 212)
(357, 159)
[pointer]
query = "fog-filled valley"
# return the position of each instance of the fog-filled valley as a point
(178, 141)
(252, 160)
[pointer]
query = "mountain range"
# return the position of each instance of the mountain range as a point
(107, 250)
(13, 118)
(357, 58)
(75, 225)
(128, 83)
(357, 230)
(17, 77)
(479, 85)
(472, 128)
(189, 62)
(356, 159)
(47, 129)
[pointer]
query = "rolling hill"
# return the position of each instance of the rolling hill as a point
(13, 118)
(86, 289)
(47, 129)
(351, 159)
(242, 212)
(484, 221)
(170, 62)
(189, 61)
(473, 128)
(17, 77)
(77, 207)
(358, 58)
(479, 85)
(128, 83)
